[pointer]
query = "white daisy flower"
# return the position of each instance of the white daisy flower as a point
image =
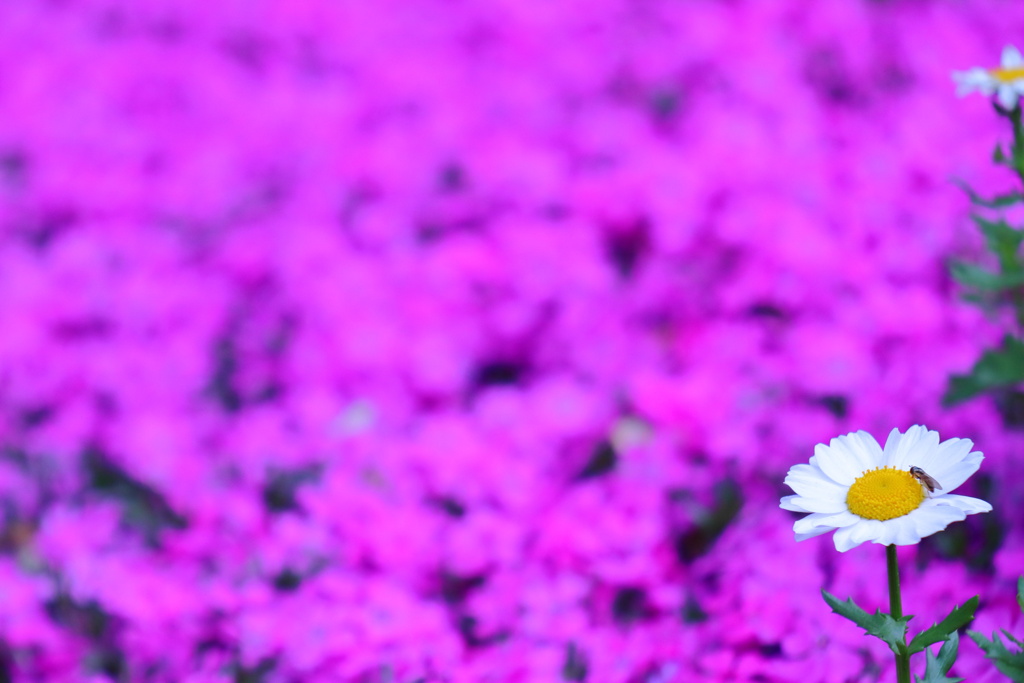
(869, 494)
(1006, 82)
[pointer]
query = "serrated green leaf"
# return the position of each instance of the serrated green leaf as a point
(996, 368)
(1020, 593)
(985, 280)
(947, 654)
(891, 631)
(942, 630)
(1012, 639)
(937, 666)
(1009, 663)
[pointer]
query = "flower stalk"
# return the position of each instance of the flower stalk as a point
(896, 611)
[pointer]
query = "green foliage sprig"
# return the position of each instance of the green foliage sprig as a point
(1001, 369)
(1009, 663)
(893, 632)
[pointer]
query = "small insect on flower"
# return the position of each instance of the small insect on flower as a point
(926, 480)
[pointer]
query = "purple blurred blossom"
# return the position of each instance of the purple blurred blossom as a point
(469, 342)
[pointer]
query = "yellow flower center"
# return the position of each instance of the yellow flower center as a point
(1007, 75)
(884, 493)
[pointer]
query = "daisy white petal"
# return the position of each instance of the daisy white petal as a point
(834, 521)
(792, 504)
(852, 536)
(1011, 58)
(952, 477)
(969, 505)
(892, 443)
(859, 449)
(949, 456)
(808, 481)
(1007, 96)
(820, 504)
(886, 533)
(836, 463)
(909, 449)
(811, 505)
(843, 539)
(901, 531)
(817, 531)
(972, 80)
(933, 519)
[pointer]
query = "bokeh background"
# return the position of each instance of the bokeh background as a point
(471, 340)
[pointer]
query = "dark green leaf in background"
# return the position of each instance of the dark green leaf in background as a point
(997, 202)
(1003, 240)
(985, 280)
(998, 155)
(996, 368)
(1009, 663)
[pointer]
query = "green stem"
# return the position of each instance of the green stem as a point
(1017, 152)
(896, 610)
(1017, 161)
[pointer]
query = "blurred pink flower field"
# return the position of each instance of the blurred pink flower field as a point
(471, 340)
